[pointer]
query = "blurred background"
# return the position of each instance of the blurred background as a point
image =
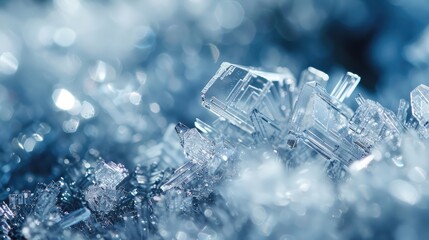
(79, 76)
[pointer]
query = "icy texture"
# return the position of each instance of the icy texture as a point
(283, 162)
(205, 156)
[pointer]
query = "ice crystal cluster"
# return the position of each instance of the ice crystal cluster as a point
(284, 159)
(114, 123)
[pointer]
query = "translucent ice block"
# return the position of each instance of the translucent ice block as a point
(345, 86)
(235, 91)
(182, 175)
(373, 123)
(109, 174)
(101, 199)
(420, 108)
(45, 208)
(74, 217)
(202, 152)
(322, 123)
(197, 148)
(312, 74)
(17, 200)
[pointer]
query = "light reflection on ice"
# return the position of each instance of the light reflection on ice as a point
(63, 99)
(8, 63)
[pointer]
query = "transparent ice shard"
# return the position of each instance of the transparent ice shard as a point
(103, 195)
(181, 129)
(402, 111)
(182, 175)
(235, 91)
(204, 155)
(312, 74)
(345, 86)
(45, 208)
(18, 200)
(322, 123)
(109, 175)
(205, 128)
(74, 217)
(196, 147)
(372, 123)
(101, 199)
(420, 108)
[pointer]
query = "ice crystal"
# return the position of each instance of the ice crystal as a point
(420, 108)
(235, 91)
(103, 195)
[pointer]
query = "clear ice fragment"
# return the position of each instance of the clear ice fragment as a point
(74, 217)
(312, 74)
(235, 91)
(322, 123)
(372, 123)
(45, 208)
(101, 199)
(103, 196)
(205, 156)
(345, 86)
(181, 129)
(109, 174)
(420, 108)
(196, 147)
(402, 111)
(17, 200)
(182, 175)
